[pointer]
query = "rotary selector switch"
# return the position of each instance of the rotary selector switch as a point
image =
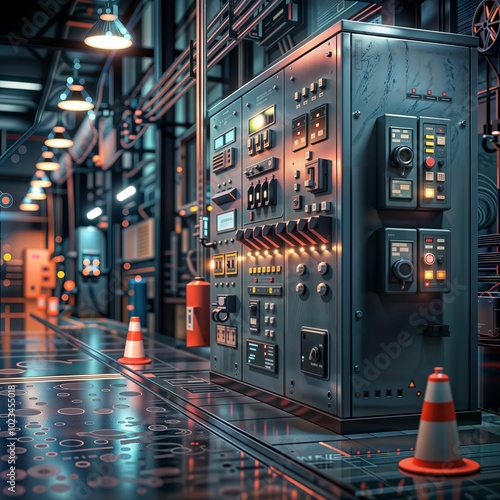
(301, 269)
(403, 269)
(300, 288)
(322, 289)
(323, 268)
(315, 354)
(402, 156)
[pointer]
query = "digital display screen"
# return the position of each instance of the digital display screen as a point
(225, 139)
(262, 120)
(226, 221)
(229, 136)
(262, 355)
(219, 142)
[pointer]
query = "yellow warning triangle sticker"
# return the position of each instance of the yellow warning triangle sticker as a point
(411, 385)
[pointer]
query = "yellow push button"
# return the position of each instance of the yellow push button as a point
(429, 275)
(429, 192)
(278, 269)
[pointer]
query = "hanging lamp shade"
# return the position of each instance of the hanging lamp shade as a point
(36, 193)
(75, 98)
(41, 179)
(28, 205)
(59, 138)
(48, 162)
(108, 32)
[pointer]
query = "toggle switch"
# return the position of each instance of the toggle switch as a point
(282, 233)
(267, 138)
(269, 192)
(240, 237)
(321, 227)
(258, 195)
(269, 233)
(303, 228)
(251, 146)
(259, 143)
(257, 236)
(292, 230)
(251, 197)
(248, 234)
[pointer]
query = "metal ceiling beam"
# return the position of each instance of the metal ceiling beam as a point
(75, 46)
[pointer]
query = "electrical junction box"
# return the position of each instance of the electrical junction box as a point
(350, 203)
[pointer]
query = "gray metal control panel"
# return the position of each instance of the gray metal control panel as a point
(343, 206)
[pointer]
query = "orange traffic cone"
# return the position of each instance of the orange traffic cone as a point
(437, 450)
(41, 302)
(134, 346)
(52, 306)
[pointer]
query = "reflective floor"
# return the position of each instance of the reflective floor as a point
(87, 426)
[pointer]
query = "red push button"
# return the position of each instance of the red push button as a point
(429, 258)
(429, 162)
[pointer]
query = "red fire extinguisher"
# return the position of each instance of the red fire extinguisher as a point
(197, 313)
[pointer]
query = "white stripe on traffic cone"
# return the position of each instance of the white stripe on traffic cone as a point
(134, 346)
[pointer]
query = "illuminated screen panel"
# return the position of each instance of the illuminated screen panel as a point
(226, 221)
(225, 139)
(262, 120)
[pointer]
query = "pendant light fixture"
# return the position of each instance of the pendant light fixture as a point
(108, 32)
(59, 138)
(28, 205)
(47, 162)
(75, 97)
(36, 193)
(41, 179)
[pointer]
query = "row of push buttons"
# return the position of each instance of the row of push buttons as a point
(313, 88)
(269, 320)
(264, 269)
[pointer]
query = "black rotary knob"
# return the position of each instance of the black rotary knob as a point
(403, 269)
(402, 156)
(314, 354)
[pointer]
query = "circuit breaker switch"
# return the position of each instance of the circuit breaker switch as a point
(316, 178)
(254, 316)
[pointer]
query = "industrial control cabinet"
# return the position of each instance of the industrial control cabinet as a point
(343, 190)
